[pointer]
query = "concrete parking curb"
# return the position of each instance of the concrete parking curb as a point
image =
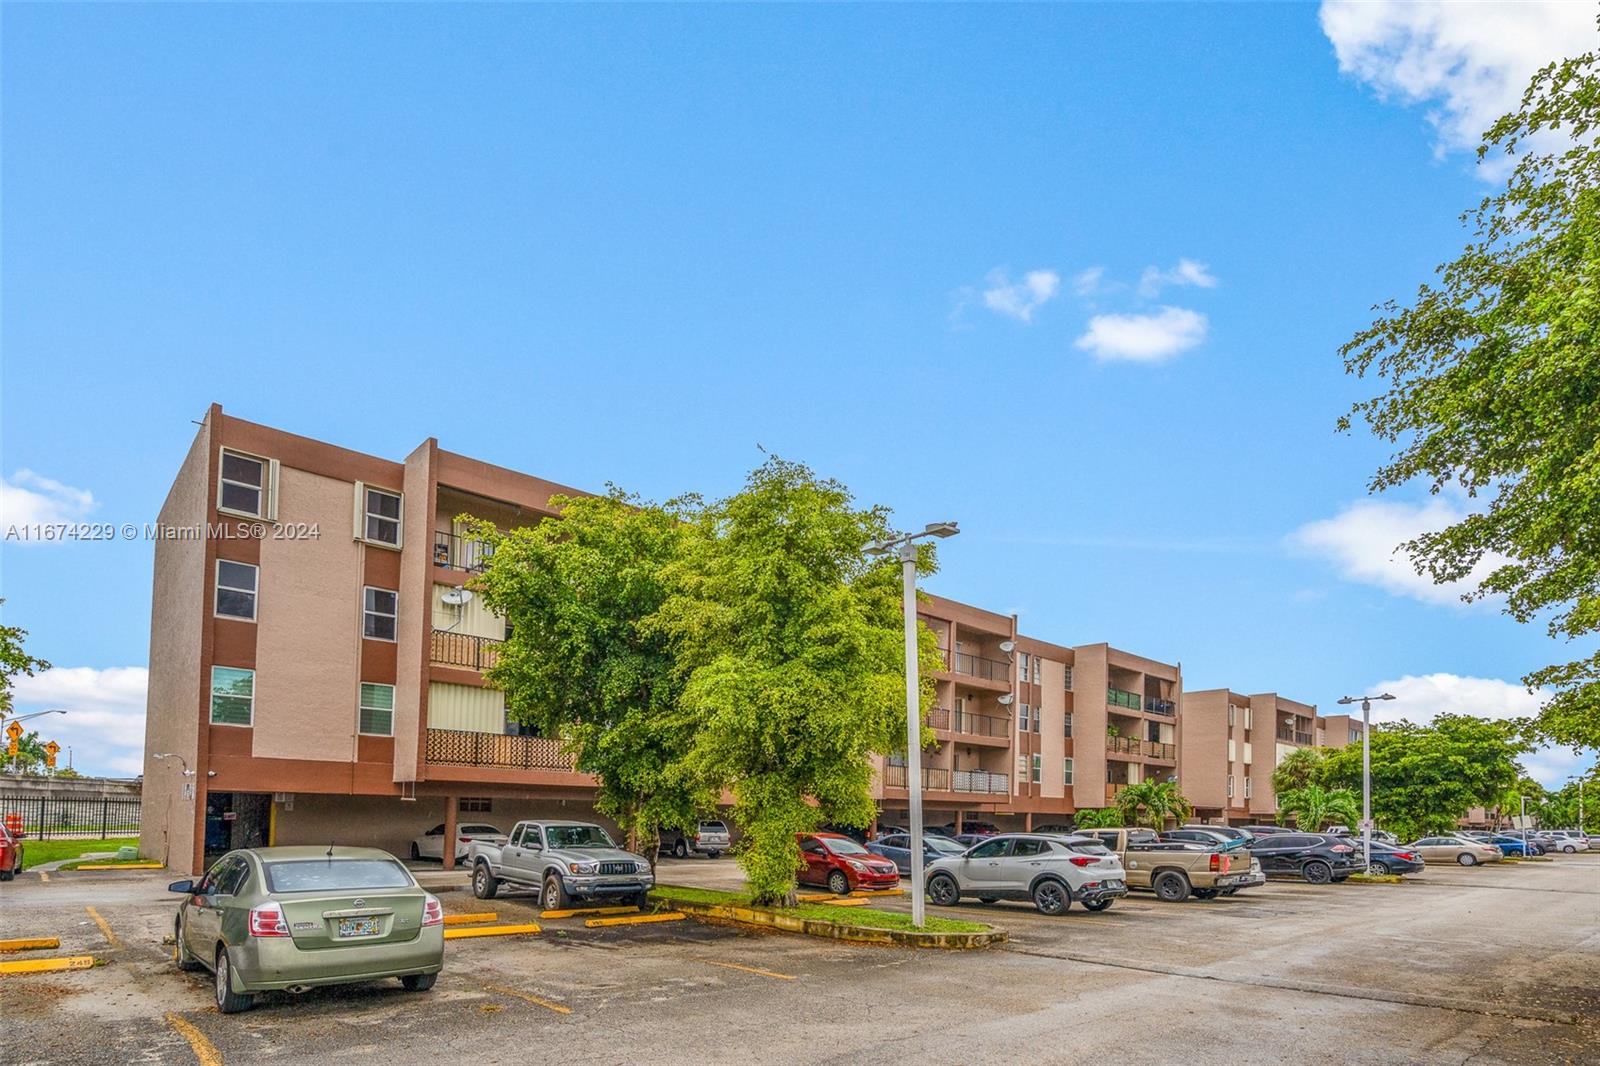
(856, 934)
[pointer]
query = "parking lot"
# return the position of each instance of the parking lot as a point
(1494, 964)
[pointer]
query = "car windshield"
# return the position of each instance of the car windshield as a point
(335, 875)
(713, 827)
(944, 845)
(844, 846)
(577, 836)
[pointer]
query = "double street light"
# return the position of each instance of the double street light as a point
(1366, 769)
(903, 545)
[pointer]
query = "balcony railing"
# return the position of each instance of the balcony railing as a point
(1112, 790)
(937, 718)
(459, 747)
(1123, 744)
(1293, 735)
(982, 725)
(463, 649)
(1166, 707)
(977, 666)
(980, 781)
(1157, 750)
(1120, 698)
(459, 553)
(934, 778)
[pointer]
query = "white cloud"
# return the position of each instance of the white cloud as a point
(1468, 62)
(27, 499)
(1144, 338)
(1421, 699)
(1087, 282)
(1019, 300)
(104, 723)
(1187, 272)
(1363, 542)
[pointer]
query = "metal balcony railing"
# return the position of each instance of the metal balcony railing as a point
(978, 666)
(1155, 749)
(937, 718)
(1130, 745)
(934, 778)
(463, 649)
(982, 725)
(980, 781)
(459, 747)
(1119, 698)
(1166, 707)
(459, 553)
(1293, 735)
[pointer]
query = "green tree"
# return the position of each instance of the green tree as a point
(29, 759)
(1097, 818)
(582, 665)
(1492, 379)
(1151, 803)
(1424, 778)
(1299, 768)
(1314, 808)
(791, 647)
(14, 661)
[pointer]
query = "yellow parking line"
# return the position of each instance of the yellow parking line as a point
(752, 969)
(205, 1052)
(30, 943)
(470, 919)
(105, 929)
(490, 930)
(70, 962)
(530, 998)
(118, 866)
(635, 919)
(571, 911)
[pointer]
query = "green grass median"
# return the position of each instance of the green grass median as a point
(864, 917)
(39, 852)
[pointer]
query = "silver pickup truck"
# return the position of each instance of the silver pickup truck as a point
(564, 862)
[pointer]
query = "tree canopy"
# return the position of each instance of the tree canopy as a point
(1299, 768)
(1151, 803)
(1314, 808)
(1492, 387)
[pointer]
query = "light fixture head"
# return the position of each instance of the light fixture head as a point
(941, 529)
(1347, 700)
(1386, 696)
(877, 549)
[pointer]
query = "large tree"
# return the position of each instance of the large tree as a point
(1492, 385)
(1299, 768)
(580, 662)
(791, 646)
(1151, 803)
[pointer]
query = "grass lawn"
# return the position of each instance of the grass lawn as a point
(867, 917)
(36, 852)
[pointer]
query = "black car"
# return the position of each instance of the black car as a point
(1265, 830)
(1389, 859)
(1317, 857)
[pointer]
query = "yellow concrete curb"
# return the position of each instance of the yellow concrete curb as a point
(34, 943)
(71, 962)
(491, 930)
(815, 897)
(848, 902)
(880, 892)
(574, 911)
(635, 919)
(118, 866)
(471, 919)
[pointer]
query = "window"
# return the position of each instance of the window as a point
(233, 696)
(336, 875)
(1038, 717)
(244, 485)
(1030, 847)
(1231, 750)
(236, 590)
(1230, 786)
(1230, 715)
(1022, 666)
(473, 805)
(1068, 727)
(1023, 714)
(1066, 771)
(379, 608)
(1247, 718)
(232, 877)
(1248, 787)
(990, 849)
(377, 710)
(1034, 773)
(1035, 669)
(1355, 736)
(1069, 679)
(380, 516)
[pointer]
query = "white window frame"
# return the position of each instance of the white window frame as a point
(363, 513)
(1247, 717)
(361, 705)
(1248, 791)
(1023, 717)
(218, 587)
(1036, 672)
(380, 614)
(1066, 770)
(268, 487)
(1230, 786)
(1231, 709)
(211, 708)
(1036, 768)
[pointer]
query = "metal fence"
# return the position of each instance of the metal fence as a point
(72, 817)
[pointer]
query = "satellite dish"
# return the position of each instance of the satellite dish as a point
(457, 597)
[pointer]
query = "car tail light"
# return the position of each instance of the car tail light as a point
(1221, 863)
(1341, 848)
(1082, 860)
(1408, 856)
(267, 919)
(432, 911)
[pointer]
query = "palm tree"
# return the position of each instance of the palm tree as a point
(1097, 818)
(1315, 807)
(1152, 803)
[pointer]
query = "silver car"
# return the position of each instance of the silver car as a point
(1051, 871)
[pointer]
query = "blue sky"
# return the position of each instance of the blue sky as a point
(1074, 276)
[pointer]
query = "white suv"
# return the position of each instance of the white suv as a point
(1050, 870)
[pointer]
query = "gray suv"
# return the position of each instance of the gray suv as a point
(710, 838)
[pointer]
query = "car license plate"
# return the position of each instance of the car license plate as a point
(1113, 883)
(358, 926)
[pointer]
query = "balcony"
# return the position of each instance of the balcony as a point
(1116, 697)
(459, 553)
(979, 667)
(1166, 707)
(937, 718)
(1112, 790)
(1128, 745)
(458, 747)
(934, 778)
(982, 725)
(1294, 736)
(980, 781)
(464, 650)
(1153, 749)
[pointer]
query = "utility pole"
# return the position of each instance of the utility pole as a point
(1366, 770)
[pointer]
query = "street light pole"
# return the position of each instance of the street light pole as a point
(906, 549)
(1366, 771)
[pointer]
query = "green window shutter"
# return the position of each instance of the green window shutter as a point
(377, 709)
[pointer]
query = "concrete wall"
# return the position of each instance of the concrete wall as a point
(118, 788)
(391, 824)
(173, 701)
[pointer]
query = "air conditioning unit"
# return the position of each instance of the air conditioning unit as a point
(284, 800)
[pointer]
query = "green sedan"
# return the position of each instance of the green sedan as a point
(290, 919)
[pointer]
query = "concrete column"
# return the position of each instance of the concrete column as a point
(449, 852)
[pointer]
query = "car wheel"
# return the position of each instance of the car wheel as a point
(943, 891)
(418, 982)
(416, 853)
(680, 850)
(1570, 850)
(1316, 873)
(1171, 887)
(6, 875)
(1379, 868)
(1467, 859)
(640, 899)
(1051, 897)
(987, 899)
(554, 895)
(1205, 893)
(484, 883)
(1098, 905)
(229, 1001)
(713, 854)
(838, 883)
(180, 954)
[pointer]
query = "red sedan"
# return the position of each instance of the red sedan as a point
(841, 865)
(10, 854)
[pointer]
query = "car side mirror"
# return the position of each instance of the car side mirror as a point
(185, 887)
